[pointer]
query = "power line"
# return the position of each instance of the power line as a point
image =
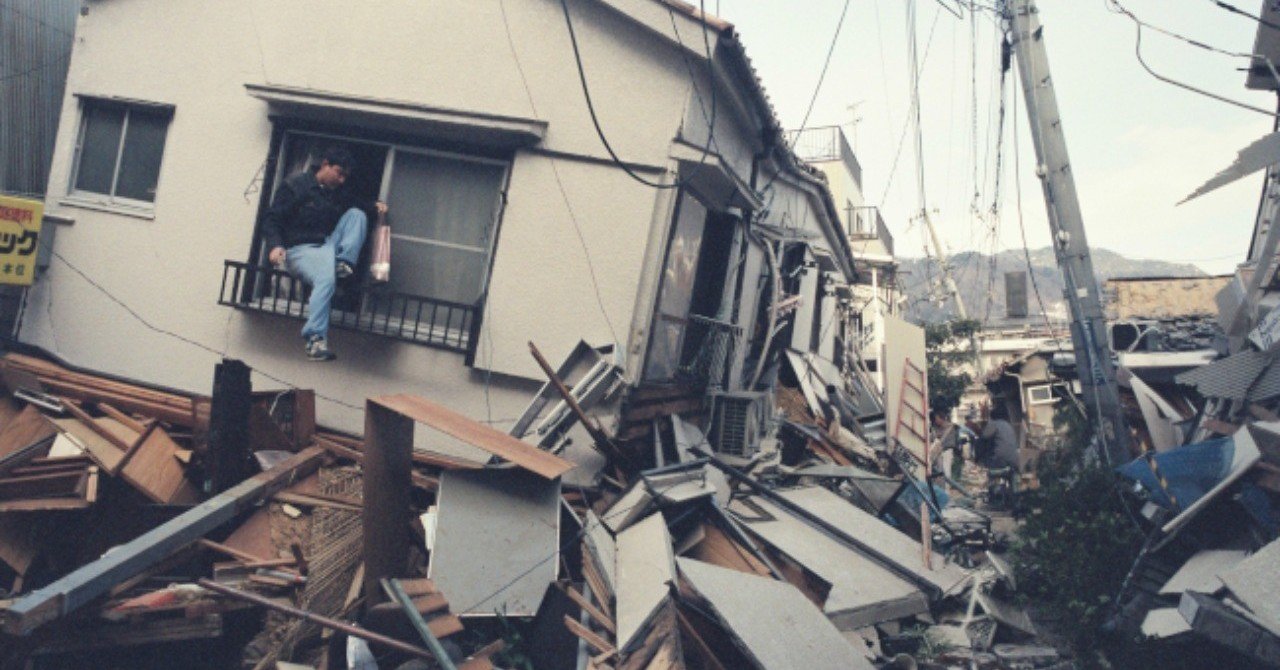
(1137, 49)
(816, 89)
(182, 338)
(595, 120)
(1241, 12)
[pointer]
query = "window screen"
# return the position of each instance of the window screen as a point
(443, 211)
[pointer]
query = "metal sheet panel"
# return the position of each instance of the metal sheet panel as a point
(795, 634)
(497, 540)
(37, 36)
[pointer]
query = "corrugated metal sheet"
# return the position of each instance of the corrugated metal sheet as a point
(36, 38)
(1229, 378)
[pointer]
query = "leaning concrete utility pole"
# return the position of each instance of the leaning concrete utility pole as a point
(1088, 326)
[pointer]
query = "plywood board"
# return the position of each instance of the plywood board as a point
(476, 434)
(496, 541)
(154, 469)
(29, 427)
(862, 591)
(902, 341)
(793, 633)
(646, 567)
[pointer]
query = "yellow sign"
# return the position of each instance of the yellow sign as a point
(19, 239)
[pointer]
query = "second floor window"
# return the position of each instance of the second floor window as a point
(119, 150)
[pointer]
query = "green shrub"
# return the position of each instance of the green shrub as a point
(1078, 542)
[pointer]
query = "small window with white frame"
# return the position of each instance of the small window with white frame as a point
(118, 152)
(1040, 395)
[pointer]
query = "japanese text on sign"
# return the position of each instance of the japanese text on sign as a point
(19, 238)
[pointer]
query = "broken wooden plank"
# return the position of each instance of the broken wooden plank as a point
(589, 636)
(29, 427)
(475, 434)
(324, 621)
(594, 612)
(81, 586)
(387, 496)
(104, 452)
(153, 469)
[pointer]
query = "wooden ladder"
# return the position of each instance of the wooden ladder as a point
(913, 418)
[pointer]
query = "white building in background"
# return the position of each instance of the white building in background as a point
(875, 294)
(512, 223)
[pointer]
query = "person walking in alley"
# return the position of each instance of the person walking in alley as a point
(315, 229)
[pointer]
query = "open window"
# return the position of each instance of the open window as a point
(444, 212)
(688, 338)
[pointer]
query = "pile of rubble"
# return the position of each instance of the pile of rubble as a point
(611, 527)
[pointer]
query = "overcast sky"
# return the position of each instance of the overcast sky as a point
(1138, 145)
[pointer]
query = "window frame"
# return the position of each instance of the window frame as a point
(110, 201)
(1047, 388)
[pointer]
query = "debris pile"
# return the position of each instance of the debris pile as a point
(610, 527)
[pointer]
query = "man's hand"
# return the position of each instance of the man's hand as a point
(381, 207)
(276, 256)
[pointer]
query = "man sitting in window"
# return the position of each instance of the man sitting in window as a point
(316, 229)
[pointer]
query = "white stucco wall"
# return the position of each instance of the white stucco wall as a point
(198, 56)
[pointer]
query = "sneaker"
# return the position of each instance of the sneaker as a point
(343, 270)
(318, 350)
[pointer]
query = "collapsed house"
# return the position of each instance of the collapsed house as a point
(738, 407)
(1204, 400)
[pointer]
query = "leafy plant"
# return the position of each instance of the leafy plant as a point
(949, 346)
(1078, 542)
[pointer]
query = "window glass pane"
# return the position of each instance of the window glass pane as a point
(446, 199)
(100, 144)
(140, 162)
(682, 259)
(664, 349)
(432, 271)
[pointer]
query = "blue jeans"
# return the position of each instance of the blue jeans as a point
(314, 264)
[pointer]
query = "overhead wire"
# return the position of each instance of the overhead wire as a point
(595, 119)
(1236, 10)
(1139, 24)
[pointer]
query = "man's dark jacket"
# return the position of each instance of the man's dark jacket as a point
(303, 212)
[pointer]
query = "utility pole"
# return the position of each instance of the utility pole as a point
(944, 265)
(1071, 247)
(913, 65)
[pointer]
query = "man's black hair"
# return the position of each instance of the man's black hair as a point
(341, 156)
(940, 413)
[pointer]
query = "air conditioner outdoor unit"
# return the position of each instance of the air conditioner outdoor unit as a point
(738, 421)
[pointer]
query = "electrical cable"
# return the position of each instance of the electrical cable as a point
(906, 123)
(162, 331)
(822, 75)
(1235, 10)
(595, 120)
(1138, 25)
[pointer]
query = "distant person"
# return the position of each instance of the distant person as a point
(999, 442)
(316, 229)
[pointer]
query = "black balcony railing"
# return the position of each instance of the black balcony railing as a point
(708, 349)
(434, 323)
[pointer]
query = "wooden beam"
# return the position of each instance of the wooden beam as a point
(476, 434)
(591, 610)
(598, 643)
(387, 497)
(83, 585)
